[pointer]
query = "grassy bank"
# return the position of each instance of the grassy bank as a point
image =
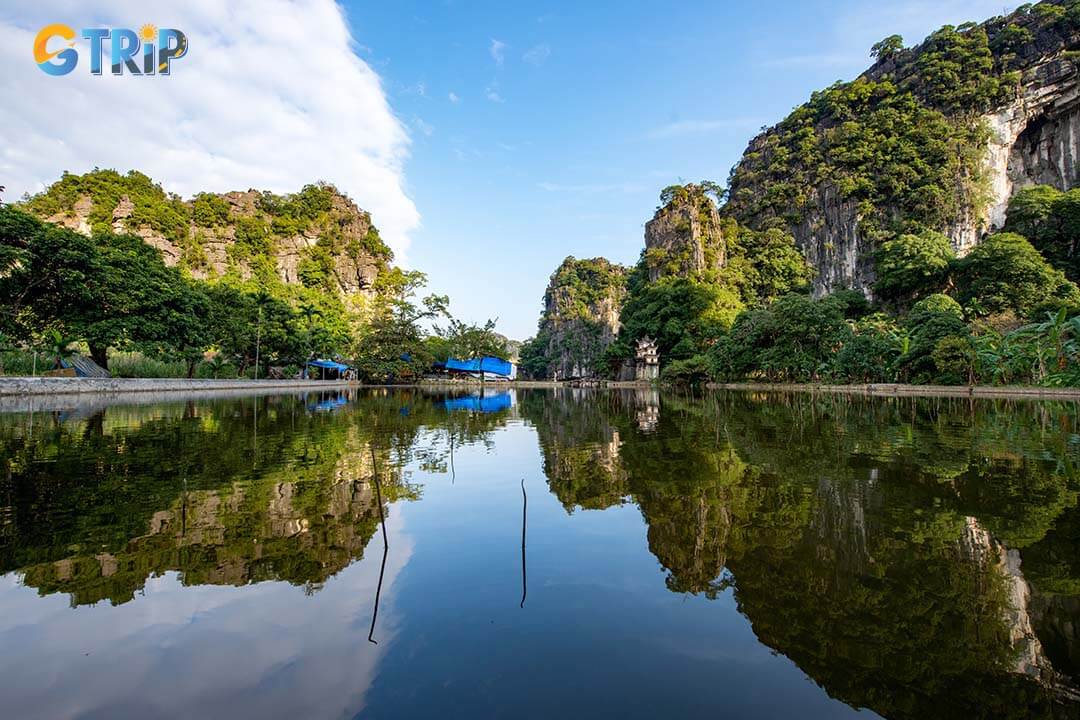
(905, 390)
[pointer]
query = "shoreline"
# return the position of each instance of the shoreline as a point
(26, 386)
(22, 386)
(1016, 392)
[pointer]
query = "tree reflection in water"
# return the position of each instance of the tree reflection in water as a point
(917, 557)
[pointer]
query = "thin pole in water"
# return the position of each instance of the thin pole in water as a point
(386, 547)
(524, 516)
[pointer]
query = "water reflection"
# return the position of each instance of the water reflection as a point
(893, 548)
(914, 557)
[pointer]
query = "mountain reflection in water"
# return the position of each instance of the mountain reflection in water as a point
(914, 557)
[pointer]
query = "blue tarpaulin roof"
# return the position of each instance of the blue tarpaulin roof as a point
(486, 404)
(328, 364)
(493, 365)
(85, 367)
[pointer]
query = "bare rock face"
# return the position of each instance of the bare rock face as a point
(684, 237)
(581, 316)
(1036, 139)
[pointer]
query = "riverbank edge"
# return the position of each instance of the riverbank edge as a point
(18, 386)
(902, 390)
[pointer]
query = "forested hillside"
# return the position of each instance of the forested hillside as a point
(115, 263)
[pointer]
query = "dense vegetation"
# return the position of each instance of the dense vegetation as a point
(1004, 313)
(902, 143)
(114, 293)
(1001, 314)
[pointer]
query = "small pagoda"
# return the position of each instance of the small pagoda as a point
(647, 360)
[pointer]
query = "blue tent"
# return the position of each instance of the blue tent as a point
(325, 365)
(486, 364)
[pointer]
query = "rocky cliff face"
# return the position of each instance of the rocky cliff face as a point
(685, 236)
(581, 316)
(315, 237)
(1028, 130)
(1036, 139)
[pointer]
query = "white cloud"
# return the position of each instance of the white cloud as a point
(498, 51)
(537, 55)
(491, 92)
(271, 95)
(422, 126)
(453, 97)
(682, 128)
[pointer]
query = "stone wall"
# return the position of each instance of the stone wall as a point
(15, 386)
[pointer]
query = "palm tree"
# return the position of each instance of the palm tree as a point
(216, 364)
(59, 347)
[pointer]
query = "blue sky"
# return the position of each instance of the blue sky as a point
(541, 130)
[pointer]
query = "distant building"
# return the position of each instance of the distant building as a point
(646, 360)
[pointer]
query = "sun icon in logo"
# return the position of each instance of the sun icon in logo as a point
(148, 32)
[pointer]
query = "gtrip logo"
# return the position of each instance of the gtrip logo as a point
(146, 52)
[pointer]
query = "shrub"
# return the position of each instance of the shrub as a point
(1005, 272)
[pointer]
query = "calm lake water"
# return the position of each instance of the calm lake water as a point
(540, 554)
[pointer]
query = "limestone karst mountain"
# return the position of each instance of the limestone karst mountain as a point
(316, 237)
(580, 317)
(939, 136)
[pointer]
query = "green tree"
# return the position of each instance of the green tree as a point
(806, 335)
(467, 340)
(533, 362)
(139, 303)
(912, 266)
(794, 340)
(1004, 272)
(767, 265)
(1050, 219)
(870, 354)
(391, 346)
(887, 48)
(49, 275)
(930, 321)
(109, 290)
(682, 314)
(245, 320)
(59, 347)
